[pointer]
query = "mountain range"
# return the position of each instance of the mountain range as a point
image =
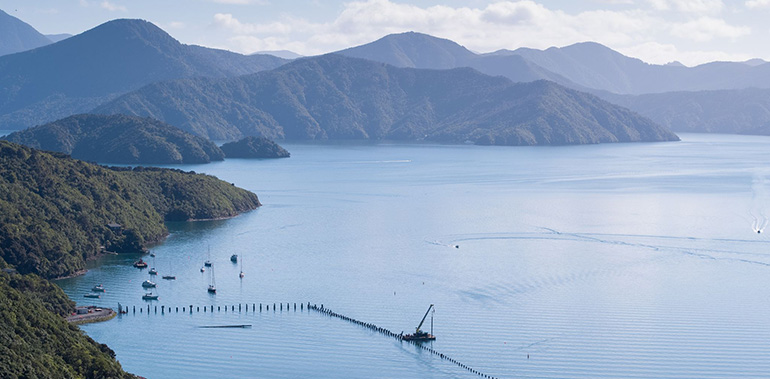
(83, 71)
(89, 70)
(337, 97)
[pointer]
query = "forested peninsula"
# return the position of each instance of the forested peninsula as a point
(56, 212)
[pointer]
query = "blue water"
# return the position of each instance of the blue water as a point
(618, 260)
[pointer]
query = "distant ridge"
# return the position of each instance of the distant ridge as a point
(17, 35)
(285, 54)
(78, 73)
(337, 97)
(418, 50)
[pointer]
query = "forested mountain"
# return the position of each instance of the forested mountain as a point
(744, 111)
(335, 97)
(17, 35)
(55, 210)
(38, 342)
(417, 50)
(76, 74)
(119, 139)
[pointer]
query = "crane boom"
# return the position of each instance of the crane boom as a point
(423, 318)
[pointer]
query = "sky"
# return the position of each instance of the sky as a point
(657, 31)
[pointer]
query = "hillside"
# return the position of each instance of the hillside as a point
(254, 147)
(335, 97)
(38, 343)
(418, 50)
(745, 111)
(78, 73)
(17, 35)
(55, 210)
(119, 139)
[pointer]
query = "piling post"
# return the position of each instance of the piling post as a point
(295, 306)
(253, 307)
(219, 308)
(197, 309)
(204, 309)
(281, 307)
(233, 309)
(134, 308)
(190, 308)
(260, 307)
(140, 310)
(162, 309)
(239, 307)
(273, 307)
(212, 308)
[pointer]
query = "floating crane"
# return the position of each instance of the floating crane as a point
(419, 335)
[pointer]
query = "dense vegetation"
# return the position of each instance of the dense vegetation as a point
(119, 139)
(336, 97)
(80, 72)
(742, 111)
(254, 147)
(36, 340)
(55, 210)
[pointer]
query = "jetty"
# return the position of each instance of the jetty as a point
(85, 315)
(259, 307)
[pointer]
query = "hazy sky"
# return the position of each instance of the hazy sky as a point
(657, 31)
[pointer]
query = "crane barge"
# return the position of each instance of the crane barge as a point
(419, 335)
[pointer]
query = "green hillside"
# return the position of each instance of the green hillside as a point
(36, 340)
(55, 210)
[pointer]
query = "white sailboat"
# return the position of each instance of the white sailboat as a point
(212, 284)
(241, 275)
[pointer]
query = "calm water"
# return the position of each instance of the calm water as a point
(626, 260)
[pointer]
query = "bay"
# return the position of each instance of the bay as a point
(617, 260)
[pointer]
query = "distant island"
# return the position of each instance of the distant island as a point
(254, 147)
(119, 139)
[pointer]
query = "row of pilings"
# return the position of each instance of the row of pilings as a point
(258, 307)
(162, 309)
(400, 337)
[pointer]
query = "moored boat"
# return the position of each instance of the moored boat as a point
(149, 296)
(140, 263)
(98, 288)
(148, 284)
(92, 295)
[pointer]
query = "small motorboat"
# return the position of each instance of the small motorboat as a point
(92, 295)
(153, 271)
(148, 284)
(241, 275)
(98, 288)
(140, 263)
(212, 289)
(207, 263)
(234, 258)
(203, 269)
(169, 277)
(149, 296)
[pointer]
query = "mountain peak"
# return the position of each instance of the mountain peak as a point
(16, 35)
(412, 49)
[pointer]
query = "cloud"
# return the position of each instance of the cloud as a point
(111, 7)
(502, 24)
(752, 4)
(706, 29)
(688, 6)
(243, 2)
